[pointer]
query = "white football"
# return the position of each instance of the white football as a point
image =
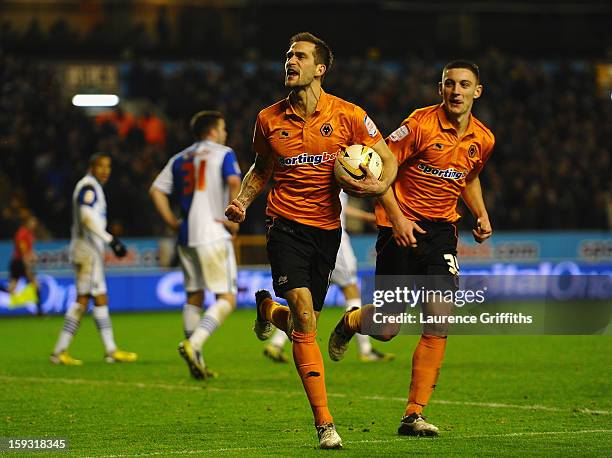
(349, 160)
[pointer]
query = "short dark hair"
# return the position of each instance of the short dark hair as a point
(323, 53)
(94, 158)
(203, 121)
(471, 66)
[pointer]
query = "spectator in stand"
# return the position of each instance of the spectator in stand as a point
(122, 121)
(153, 128)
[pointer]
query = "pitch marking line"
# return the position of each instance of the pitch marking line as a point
(164, 386)
(367, 441)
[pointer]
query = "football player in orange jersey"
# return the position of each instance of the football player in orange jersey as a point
(440, 150)
(296, 141)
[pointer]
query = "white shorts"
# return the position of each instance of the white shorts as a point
(89, 266)
(209, 267)
(345, 271)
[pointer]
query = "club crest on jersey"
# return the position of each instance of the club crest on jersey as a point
(326, 129)
(450, 174)
(306, 158)
(370, 126)
(472, 150)
(399, 133)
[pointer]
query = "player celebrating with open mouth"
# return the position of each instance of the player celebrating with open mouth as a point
(296, 141)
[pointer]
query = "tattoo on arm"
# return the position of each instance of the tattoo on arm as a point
(255, 180)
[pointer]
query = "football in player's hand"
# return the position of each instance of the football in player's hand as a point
(348, 162)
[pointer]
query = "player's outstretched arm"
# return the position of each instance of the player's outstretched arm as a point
(162, 205)
(472, 196)
(403, 228)
(253, 184)
(370, 186)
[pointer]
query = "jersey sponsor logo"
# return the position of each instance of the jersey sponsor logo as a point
(326, 129)
(472, 150)
(450, 174)
(370, 126)
(306, 158)
(399, 133)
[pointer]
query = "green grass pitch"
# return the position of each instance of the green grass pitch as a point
(497, 395)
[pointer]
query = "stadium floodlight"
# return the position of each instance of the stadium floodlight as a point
(95, 100)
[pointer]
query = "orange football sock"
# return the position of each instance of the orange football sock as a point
(426, 363)
(309, 364)
(275, 313)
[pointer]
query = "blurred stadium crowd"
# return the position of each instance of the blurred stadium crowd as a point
(550, 168)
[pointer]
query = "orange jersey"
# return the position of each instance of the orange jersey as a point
(304, 188)
(434, 164)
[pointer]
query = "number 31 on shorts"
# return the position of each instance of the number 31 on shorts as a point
(453, 265)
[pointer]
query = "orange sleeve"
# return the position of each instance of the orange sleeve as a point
(488, 141)
(260, 140)
(488, 148)
(405, 141)
(364, 130)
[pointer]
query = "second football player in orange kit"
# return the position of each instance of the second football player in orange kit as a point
(441, 150)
